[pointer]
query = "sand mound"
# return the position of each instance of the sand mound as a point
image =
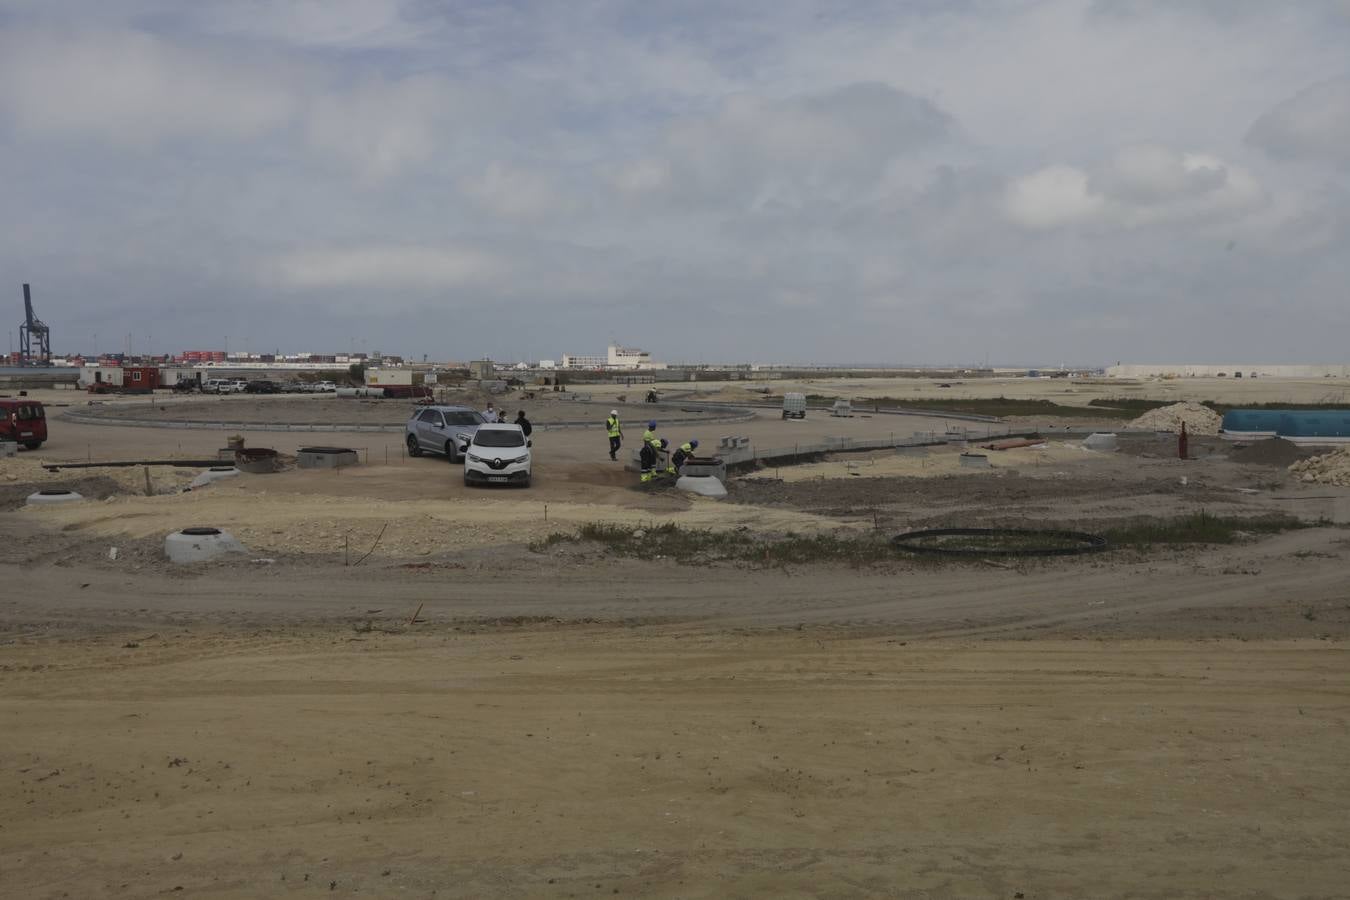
(27, 471)
(1270, 452)
(1198, 419)
(1328, 468)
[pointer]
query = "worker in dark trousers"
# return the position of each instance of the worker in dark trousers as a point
(681, 454)
(615, 432)
(648, 457)
(650, 434)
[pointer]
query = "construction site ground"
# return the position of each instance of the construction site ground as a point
(405, 688)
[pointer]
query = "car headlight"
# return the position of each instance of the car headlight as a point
(477, 459)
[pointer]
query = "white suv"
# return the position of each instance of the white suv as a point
(498, 454)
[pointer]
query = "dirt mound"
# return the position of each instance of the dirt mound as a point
(22, 476)
(14, 495)
(1328, 468)
(1270, 452)
(1198, 419)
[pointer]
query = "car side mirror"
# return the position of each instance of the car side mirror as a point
(529, 443)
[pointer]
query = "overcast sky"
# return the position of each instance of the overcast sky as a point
(768, 180)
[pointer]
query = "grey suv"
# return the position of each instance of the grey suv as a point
(442, 429)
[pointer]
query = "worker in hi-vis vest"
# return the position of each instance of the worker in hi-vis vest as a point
(682, 453)
(650, 434)
(615, 432)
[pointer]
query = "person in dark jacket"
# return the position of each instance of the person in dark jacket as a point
(524, 423)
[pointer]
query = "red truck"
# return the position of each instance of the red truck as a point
(23, 421)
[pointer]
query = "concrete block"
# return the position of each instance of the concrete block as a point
(8, 449)
(709, 468)
(974, 461)
(326, 458)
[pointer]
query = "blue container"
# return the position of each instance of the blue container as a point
(1289, 422)
(1253, 421)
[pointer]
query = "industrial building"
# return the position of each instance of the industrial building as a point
(618, 357)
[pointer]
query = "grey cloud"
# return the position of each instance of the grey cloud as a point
(1139, 186)
(131, 88)
(759, 150)
(1312, 125)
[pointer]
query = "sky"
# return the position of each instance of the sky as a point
(931, 181)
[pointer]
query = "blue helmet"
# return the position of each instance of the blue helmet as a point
(664, 443)
(694, 443)
(651, 424)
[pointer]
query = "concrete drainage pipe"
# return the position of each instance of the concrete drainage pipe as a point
(193, 545)
(51, 497)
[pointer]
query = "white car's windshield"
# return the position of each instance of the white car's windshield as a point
(496, 438)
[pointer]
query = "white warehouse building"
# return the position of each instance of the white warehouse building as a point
(618, 357)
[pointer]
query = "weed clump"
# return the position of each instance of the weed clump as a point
(1198, 528)
(697, 545)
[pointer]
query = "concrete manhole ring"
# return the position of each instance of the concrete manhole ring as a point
(200, 543)
(50, 496)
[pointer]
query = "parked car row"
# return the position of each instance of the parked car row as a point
(256, 386)
(491, 453)
(224, 386)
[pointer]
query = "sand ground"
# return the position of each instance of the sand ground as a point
(460, 715)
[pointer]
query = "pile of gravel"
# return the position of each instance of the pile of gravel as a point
(1328, 468)
(1197, 418)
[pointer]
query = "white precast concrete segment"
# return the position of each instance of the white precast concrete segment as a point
(200, 545)
(703, 485)
(52, 497)
(1101, 441)
(216, 473)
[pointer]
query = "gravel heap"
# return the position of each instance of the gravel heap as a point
(1328, 468)
(1199, 419)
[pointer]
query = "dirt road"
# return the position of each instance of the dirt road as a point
(582, 761)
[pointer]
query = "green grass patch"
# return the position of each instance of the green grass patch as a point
(1197, 528)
